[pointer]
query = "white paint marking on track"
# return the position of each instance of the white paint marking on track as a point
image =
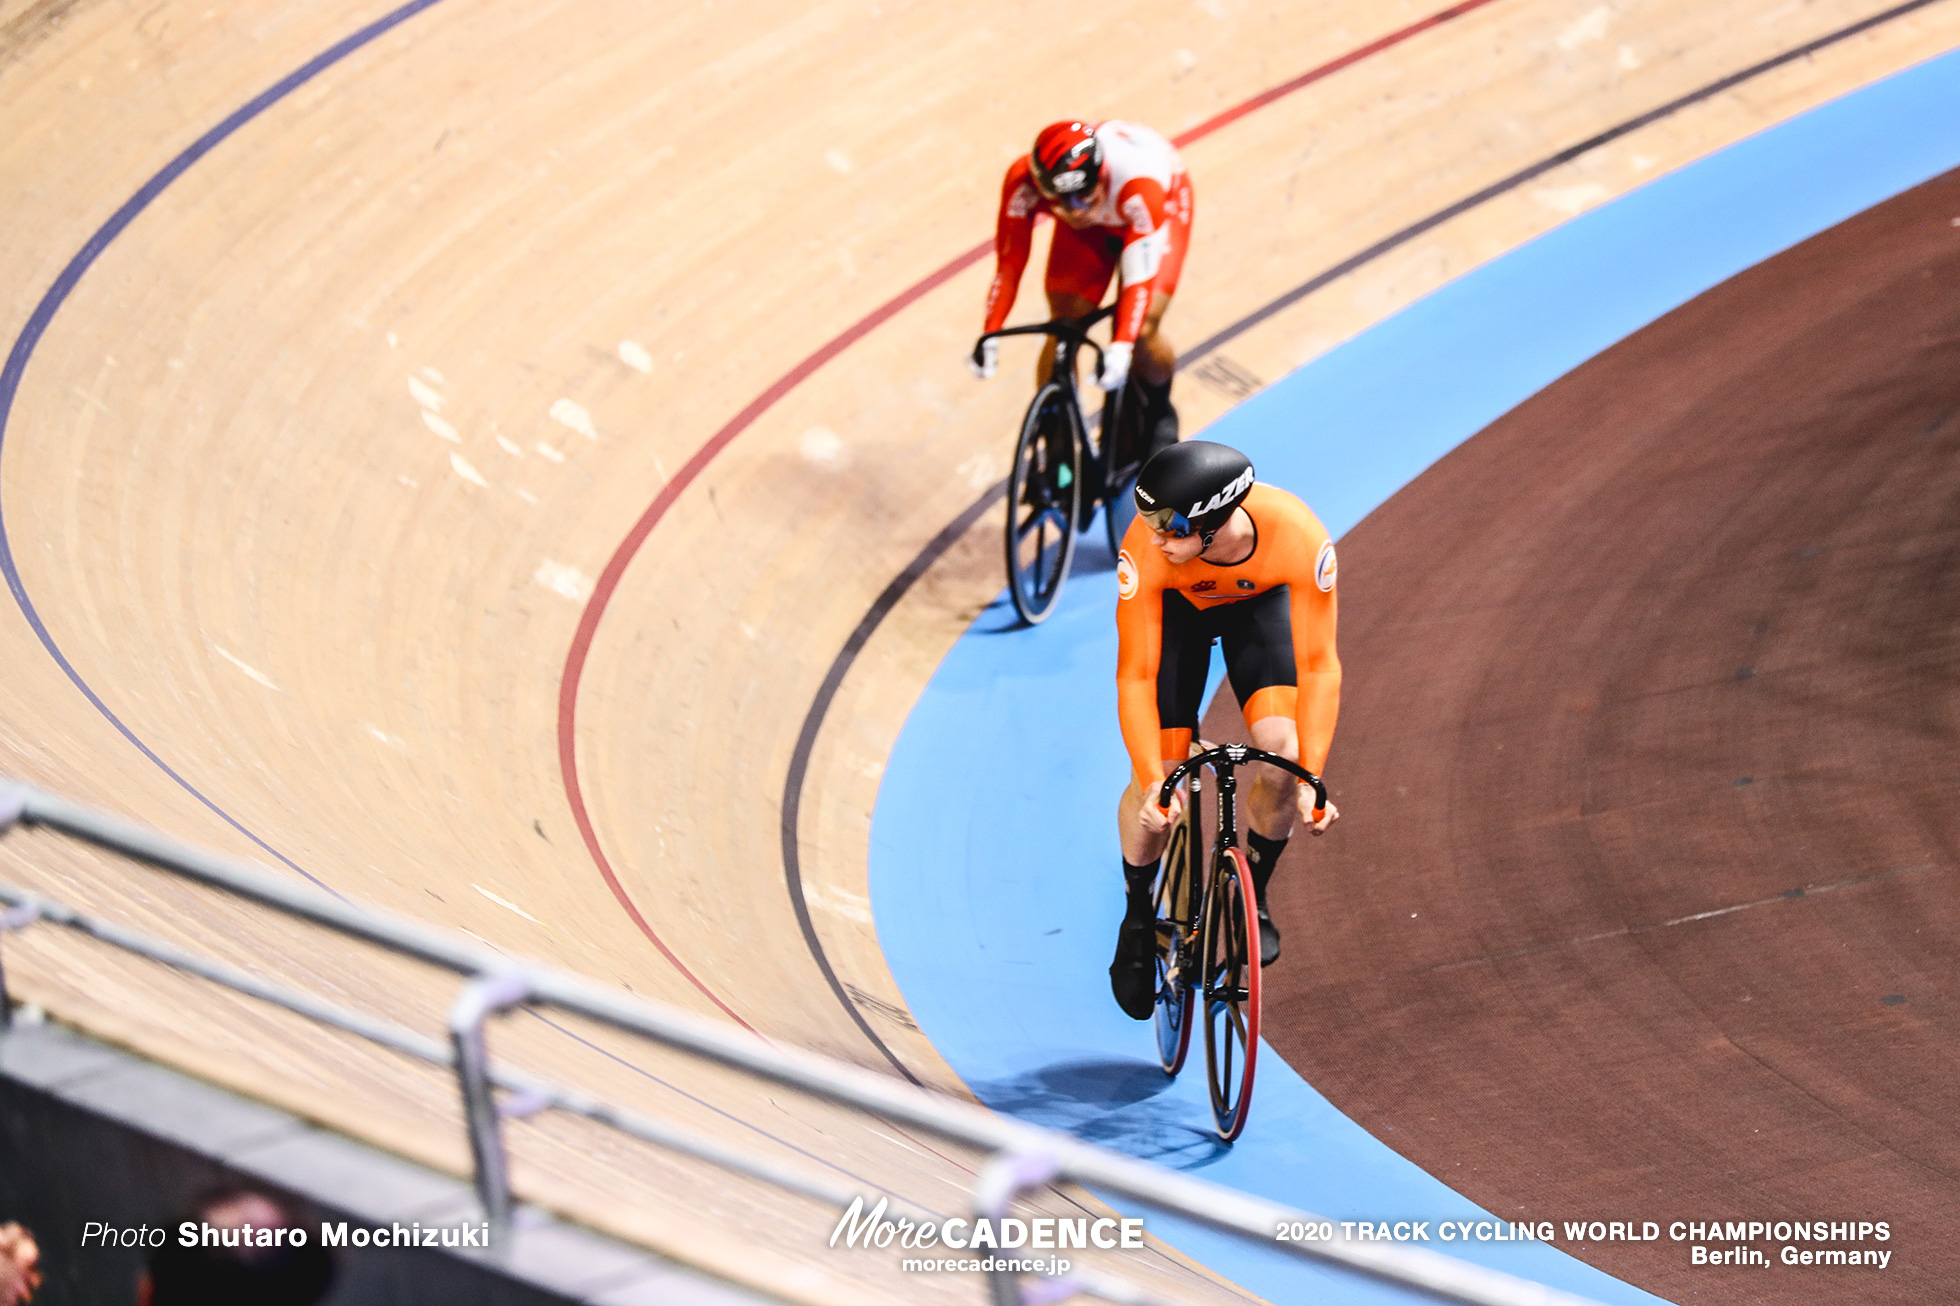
(506, 904)
(838, 902)
(509, 446)
(480, 939)
(567, 413)
(634, 355)
(562, 579)
(895, 1142)
(1587, 30)
(979, 471)
(440, 427)
(247, 668)
(550, 452)
(1572, 200)
(822, 446)
(424, 394)
(393, 741)
(463, 469)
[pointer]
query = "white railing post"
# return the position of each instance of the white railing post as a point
(480, 999)
(1003, 1180)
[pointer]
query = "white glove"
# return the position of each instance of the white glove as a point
(1115, 365)
(984, 359)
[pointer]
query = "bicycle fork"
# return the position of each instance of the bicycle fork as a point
(1183, 944)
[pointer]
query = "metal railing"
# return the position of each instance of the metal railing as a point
(1025, 1157)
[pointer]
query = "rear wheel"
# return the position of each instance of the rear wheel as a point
(1044, 495)
(1177, 944)
(1231, 991)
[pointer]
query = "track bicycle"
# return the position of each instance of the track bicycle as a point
(1208, 933)
(1062, 471)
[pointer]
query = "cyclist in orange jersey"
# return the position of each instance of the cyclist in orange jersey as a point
(1122, 205)
(1213, 555)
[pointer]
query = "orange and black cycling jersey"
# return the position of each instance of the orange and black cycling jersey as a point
(1292, 549)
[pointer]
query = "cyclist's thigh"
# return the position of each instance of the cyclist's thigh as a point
(1181, 670)
(1257, 636)
(1082, 262)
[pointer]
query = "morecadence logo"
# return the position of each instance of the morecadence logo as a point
(873, 1230)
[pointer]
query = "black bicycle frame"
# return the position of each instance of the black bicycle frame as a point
(1071, 333)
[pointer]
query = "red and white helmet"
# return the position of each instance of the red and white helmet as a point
(1066, 161)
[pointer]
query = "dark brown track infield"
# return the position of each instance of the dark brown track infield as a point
(1644, 901)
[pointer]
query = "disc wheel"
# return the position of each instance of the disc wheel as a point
(1231, 991)
(1044, 496)
(1177, 946)
(1123, 445)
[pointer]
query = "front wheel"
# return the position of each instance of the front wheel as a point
(1044, 496)
(1177, 944)
(1231, 990)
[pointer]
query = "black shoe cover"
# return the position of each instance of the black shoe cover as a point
(1163, 430)
(1133, 975)
(1268, 937)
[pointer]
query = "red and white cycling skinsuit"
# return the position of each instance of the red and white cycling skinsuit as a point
(1142, 226)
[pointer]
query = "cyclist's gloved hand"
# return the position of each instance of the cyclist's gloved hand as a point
(1115, 365)
(984, 359)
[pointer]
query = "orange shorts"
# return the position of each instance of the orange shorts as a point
(1082, 262)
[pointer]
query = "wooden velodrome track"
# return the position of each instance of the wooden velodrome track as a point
(429, 488)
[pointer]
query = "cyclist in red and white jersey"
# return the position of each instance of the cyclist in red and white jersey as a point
(1122, 204)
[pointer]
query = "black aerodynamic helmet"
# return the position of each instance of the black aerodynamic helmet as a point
(1192, 488)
